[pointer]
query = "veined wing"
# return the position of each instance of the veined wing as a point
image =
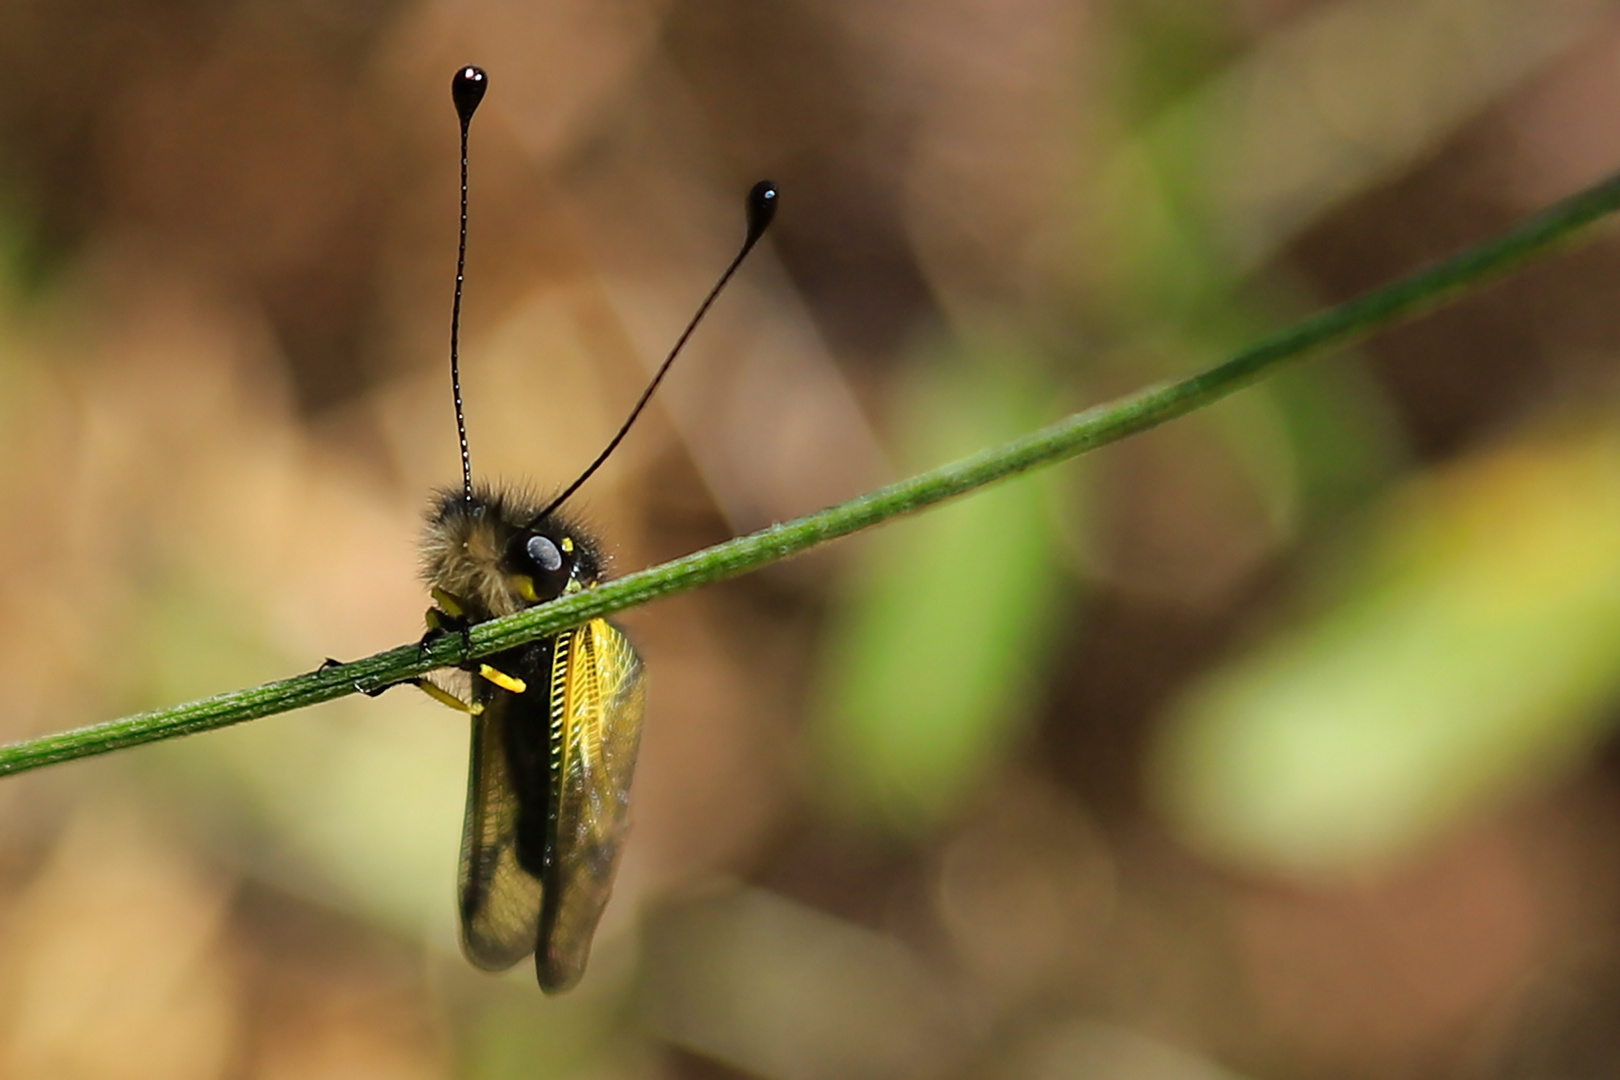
(507, 792)
(598, 697)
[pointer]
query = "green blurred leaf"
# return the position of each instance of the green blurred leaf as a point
(930, 664)
(357, 802)
(1344, 438)
(1471, 648)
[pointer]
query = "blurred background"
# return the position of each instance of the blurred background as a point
(1275, 743)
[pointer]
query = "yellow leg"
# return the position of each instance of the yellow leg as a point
(502, 679)
(448, 614)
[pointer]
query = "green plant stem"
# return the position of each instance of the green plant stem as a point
(1421, 292)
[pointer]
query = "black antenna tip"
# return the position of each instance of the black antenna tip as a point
(467, 90)
(762, 199)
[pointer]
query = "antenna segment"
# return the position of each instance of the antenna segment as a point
(466, 90)
(761, 210)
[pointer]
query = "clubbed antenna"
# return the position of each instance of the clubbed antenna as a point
(761, 208)
(466, 90)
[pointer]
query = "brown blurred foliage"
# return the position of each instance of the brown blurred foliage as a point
(228, 234)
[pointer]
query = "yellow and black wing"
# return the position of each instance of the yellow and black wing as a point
(500, 888)
(598, 696)
(547, 802)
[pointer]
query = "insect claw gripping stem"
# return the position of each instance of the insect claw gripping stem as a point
(448, 615)
(427, 639)
(373, 691)
(463, 630)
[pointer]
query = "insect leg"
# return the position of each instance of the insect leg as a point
(447, 618)
(502, 679)
(369, 691)
(445, 697)
(427, 686)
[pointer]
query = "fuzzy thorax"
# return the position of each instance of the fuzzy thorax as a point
(494, 557)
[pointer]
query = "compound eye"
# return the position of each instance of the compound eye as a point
(544, 554)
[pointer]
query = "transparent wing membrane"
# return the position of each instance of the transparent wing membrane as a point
(548, 803)
(599, 697)
(500, 900)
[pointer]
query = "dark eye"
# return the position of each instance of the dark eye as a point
(545, 554)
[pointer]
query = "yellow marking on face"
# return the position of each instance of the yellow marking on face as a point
(502, 679)
(524, 584)
(572, 586)
(452, 606)
(568, 544)
(445, 697)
